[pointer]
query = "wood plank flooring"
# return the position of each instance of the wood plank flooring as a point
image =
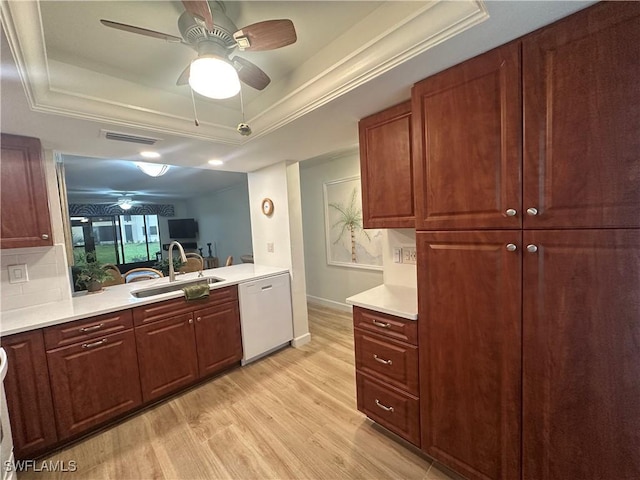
(291, 415)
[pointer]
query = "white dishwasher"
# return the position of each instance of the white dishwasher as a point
(265, 316)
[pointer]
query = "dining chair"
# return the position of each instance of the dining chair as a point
(142, 273)
(195, 263)
(115, 277)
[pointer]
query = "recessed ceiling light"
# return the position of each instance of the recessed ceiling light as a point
(215, 162)
(149, 154)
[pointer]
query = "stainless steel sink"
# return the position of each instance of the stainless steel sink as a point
(173, 286)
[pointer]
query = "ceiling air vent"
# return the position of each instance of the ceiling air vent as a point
(127, 137)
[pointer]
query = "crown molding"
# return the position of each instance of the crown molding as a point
(84, 96)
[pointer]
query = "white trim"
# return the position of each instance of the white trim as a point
(325, 302)
(407, 38)
(301, 340)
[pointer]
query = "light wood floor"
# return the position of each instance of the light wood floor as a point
(291, 415)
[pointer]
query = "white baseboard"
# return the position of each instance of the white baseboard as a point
(301, 340)
(329, 303)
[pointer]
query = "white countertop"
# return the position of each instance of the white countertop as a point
(392, 299)
(118, 297)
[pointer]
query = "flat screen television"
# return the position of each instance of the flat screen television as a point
(183, 228)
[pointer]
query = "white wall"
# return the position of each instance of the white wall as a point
(279, 183)
(328, 284)
(46, 266)
(224, 218)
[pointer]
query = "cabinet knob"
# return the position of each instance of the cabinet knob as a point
(45, 236)
(511, 212)
(190, 321)
(511, 247)
(198, 319)
(532, 248)
(532, 211)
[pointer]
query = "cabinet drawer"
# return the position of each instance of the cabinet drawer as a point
(81, 330)
(94, 382)
(159, 311)
(390, 361)
(391, 408)
(387, 325)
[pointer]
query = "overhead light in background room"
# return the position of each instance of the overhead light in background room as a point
(149, 154)
(124, 203)
(215, 162)
(152, 169)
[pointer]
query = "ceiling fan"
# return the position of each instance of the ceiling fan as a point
(214, 73)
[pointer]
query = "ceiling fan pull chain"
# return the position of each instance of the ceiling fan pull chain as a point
(195, 113)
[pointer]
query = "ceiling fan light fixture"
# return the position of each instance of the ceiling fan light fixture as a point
(124, 203)
(213, 77)
(152, 169)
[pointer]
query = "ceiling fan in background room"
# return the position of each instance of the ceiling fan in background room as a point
(214, 73)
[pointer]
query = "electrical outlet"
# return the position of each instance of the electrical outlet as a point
(409, 255)
(18, 273)
(270, 247)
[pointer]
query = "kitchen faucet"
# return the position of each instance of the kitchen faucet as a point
(183, 257)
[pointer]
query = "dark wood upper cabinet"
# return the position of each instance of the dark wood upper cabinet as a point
(581, 120)
(24, 203)
(94, 381)
(218, 338)
(581, 384)
(28, 394)
(467, 144)
(470, 350)
(386, 168)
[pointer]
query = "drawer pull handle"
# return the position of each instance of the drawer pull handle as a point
(381, 324)
(94, 344)
(384, 407)
(382, 360)
(92, 328)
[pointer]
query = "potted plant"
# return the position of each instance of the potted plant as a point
(90, 272)
(163, 265)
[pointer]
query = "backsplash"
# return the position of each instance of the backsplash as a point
(47, 272)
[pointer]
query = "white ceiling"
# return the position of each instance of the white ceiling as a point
(65, 77)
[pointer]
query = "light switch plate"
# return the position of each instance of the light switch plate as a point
(270, 247)
(397, 255)
(18, 273)
(409, 255)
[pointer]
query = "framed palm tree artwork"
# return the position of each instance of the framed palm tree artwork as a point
(348, 243)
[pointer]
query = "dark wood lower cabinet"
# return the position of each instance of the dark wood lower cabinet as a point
(94, 381)
(581, 384)
(28, 394)
(470, 350)
(218, 338)
(166, 356)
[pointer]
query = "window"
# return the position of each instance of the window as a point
(115, 241)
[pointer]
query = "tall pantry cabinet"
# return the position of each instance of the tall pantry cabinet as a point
(527, 174)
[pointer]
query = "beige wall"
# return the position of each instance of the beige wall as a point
(280, 183)
(328, 284)
(46, 266)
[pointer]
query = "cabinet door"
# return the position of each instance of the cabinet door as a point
(582, 118)
(386, 168)
(24, 202)
(581, 381)
(28, 394)
(94, 381)
(218, 338)
(467, 144)
(469, 297)
(166, 355)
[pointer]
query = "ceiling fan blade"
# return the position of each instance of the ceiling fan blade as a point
(267, 35)
(141, 31)
(183, 79)
(200, 8)
(250, 73)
